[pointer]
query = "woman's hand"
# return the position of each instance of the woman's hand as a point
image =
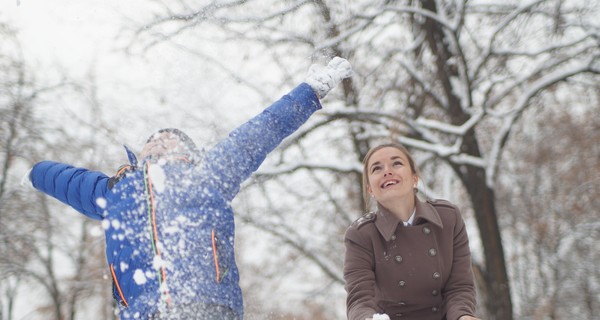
(468, 318)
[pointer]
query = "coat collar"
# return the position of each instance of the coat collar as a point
(131, 156)
(387, 222)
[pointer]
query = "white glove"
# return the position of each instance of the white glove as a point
(323, 79)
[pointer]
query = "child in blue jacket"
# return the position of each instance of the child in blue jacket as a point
(168, 220)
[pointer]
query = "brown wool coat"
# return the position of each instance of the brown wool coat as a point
(418, 272)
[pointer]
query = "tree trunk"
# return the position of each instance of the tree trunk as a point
(498, 303)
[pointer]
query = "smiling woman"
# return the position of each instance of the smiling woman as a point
(390, 176)
(408, 258)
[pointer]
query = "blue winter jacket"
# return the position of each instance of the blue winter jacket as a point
(169, 227)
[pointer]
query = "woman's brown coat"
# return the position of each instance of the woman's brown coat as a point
(417, 272)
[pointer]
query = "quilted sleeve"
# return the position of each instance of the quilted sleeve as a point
(77, 187)
(235, 158)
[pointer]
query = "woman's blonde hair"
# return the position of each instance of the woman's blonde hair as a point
(365, 175)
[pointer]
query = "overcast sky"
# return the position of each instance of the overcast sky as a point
(67, 31)
(78, 38)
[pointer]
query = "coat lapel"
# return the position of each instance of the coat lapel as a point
(387, 223)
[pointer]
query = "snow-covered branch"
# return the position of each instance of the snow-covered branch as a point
(448, 128)
(521, 105)
(270, 16)
(426, 13)
(292, 167)
(387, 119)
(451, 152)
(538, 51)
(343, 36)
(533, 74)
(487, 50)
(441, 101)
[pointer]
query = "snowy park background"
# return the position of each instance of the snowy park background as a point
(498, 100)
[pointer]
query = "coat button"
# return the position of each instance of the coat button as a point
(432, 252)
(399, 315)
(401, 283)
(426, 230)
(434, 309)
(434, 293)
(436, 275)
(398, 259)
(401, 303)
(393, 237)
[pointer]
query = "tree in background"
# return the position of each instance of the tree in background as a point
(551, 191)
(45, 256)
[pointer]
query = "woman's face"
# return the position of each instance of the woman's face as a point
(390, 175)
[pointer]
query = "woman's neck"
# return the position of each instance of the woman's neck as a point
(402, 208)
